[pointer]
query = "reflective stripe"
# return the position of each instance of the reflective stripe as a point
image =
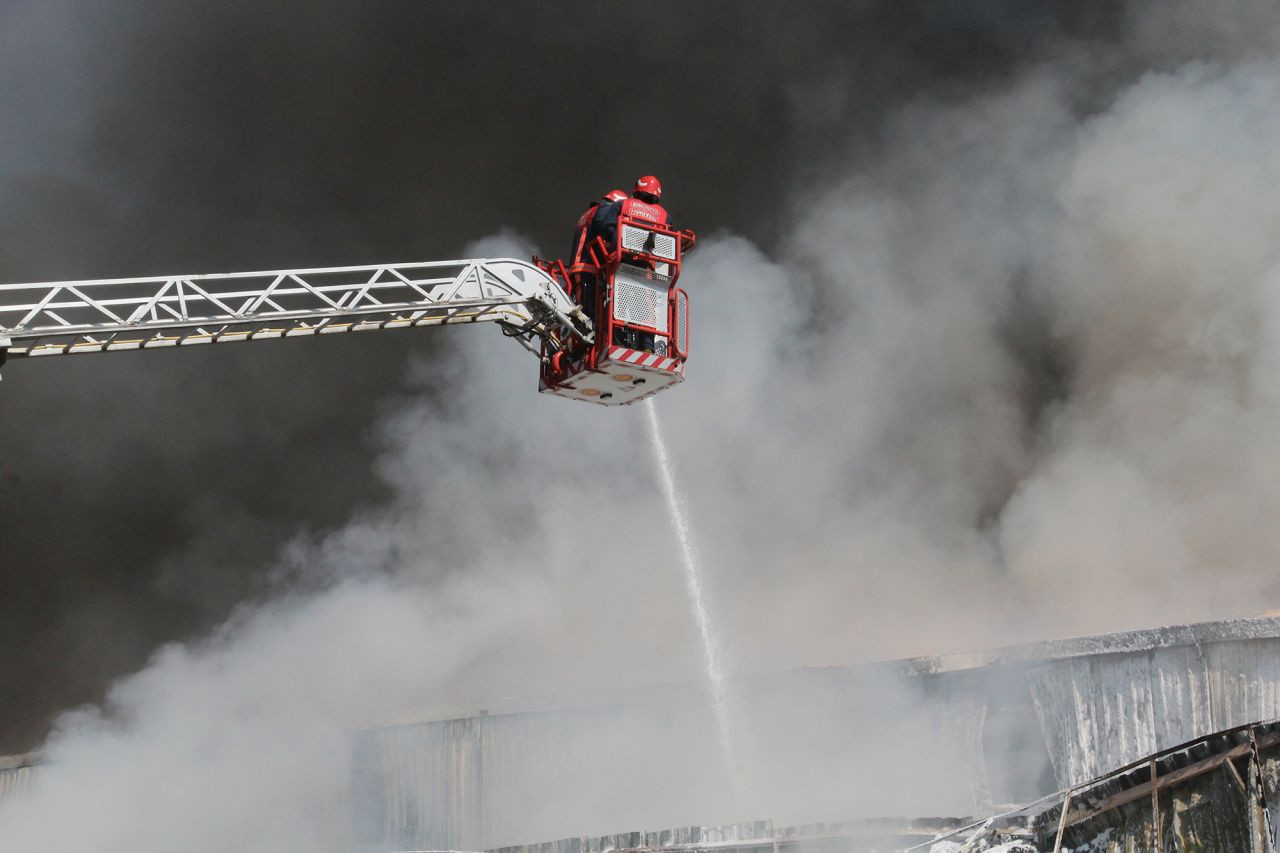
(640, 358)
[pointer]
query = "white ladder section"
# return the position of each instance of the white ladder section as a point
(59, 318)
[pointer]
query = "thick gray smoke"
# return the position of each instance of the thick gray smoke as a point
(141, 497)
(1014, 376)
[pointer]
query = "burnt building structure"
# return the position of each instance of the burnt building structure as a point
(949, 735)
(1072, 721)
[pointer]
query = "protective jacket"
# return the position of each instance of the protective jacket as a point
(605, 222)
(580, 233)
(637, 209)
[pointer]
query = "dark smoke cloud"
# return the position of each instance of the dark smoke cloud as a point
(1007, 371)
(142, 496)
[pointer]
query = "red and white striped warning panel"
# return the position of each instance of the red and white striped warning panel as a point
(640, 358)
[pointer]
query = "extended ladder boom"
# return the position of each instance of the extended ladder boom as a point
(57, 318)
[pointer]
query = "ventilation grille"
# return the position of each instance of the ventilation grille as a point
(640, 299)
(682, 323)
(649, 242)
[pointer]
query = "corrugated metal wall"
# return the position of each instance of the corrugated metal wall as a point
(811, 744)
(816, 744)
(15, 775)
(1105, 711)
(492, 780)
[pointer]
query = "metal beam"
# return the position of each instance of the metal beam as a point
(102, 315)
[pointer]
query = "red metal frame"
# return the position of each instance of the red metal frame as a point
(674, 322)
(558, 363)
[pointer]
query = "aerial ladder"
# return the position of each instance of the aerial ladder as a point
(633, 346)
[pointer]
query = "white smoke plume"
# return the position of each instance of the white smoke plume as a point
(1013, 377)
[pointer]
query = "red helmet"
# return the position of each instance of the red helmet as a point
(649, 184)
(615, 195)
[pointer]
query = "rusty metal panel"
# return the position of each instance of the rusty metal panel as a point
(1210, 812)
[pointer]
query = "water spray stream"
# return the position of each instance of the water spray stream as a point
(693, 585)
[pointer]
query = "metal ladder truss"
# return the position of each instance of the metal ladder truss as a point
(59, 318)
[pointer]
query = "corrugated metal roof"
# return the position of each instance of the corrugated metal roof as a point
(1112, 643)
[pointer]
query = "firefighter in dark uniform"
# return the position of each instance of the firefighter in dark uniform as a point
(582, 235)
(581, 269)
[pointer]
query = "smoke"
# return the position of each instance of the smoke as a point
(1010, 375)
(145, 495)
(1163, 288)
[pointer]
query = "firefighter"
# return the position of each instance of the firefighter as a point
(642, 205)
(582, 231)
(580, 267)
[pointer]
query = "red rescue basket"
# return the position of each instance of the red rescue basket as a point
(641, 318)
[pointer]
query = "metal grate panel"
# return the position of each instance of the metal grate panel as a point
(651, 242)
(640, 298)
(682, 323)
